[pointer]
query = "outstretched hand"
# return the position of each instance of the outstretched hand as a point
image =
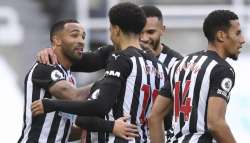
(124, 129)
(46, 56)
(37, 108)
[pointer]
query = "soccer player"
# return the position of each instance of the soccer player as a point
(54, 82)
(199, 86)
(151, 34)
(151, 38)
(132, 76)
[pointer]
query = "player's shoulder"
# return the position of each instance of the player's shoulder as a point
(171, 52)
(40, 66)
(221, 63)
(106, 48)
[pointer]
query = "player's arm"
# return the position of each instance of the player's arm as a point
(115, 76)
(90, 61)
(52, 79)
(96, 107)
(93, 61)
(222, 81)
(65, 90)
(162, 105)
(119, 127)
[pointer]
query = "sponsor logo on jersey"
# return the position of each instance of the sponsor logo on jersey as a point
(112, 73)
(56, 75)
(115, 56)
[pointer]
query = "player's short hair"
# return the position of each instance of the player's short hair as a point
(58, 26)
(217, 20)
(128, 16)
(152, 11)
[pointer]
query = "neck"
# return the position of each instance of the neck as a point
(158, 50)
(216, 47)
(127, 41)
(62, 59)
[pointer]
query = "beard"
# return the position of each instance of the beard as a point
(233, 57)
(155, 44)
(71, 55)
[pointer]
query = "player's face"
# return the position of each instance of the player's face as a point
(151, 33)
(234, 40)
(73, 37)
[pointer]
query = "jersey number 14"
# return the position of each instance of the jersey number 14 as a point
(182, 106)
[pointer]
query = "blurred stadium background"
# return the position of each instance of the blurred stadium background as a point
(24, 30)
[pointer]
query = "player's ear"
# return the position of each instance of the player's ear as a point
(163, 30)
(220, 36)
(117, 30)
(56, 40)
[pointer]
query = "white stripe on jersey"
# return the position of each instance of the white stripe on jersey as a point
(46, 127)
(162, 57)
(170, 64)
(195, 138)
(202, 101)
(130, 89)
(28, 116)
(62, 125)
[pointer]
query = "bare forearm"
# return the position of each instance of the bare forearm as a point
(222, 133)
(156, 130)
(83, 92)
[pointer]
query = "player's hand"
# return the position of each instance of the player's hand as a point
(124, 129)
(46, 56)
(37, 108)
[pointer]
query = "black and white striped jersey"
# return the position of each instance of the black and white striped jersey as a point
(191, 82)
(168, 56)
(142, 76)
(51, 127)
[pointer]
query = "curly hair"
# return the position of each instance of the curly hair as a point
(128, 16)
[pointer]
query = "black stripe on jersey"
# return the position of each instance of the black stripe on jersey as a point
(135, 100)
(66, 130)
(25, 102)
(54, 128)
(187, 138)
(37, 121)
(196, 97)
(120, 140)
(167, 60)
(205, 138)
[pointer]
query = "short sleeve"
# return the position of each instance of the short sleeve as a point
(221, 82)
(47, 75)
(118, 66)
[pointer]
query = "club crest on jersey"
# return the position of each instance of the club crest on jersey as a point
(112, 73)
(56, 75)
(115, 56)
(226, 84)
